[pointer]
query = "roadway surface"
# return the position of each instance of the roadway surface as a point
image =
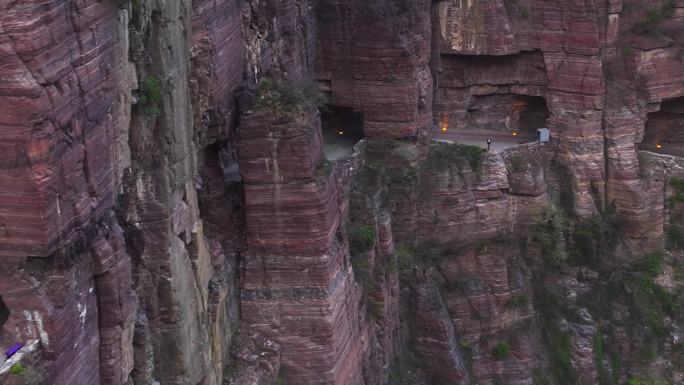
(501, 140)
(336, 146)
(665, 148)
(340, 146)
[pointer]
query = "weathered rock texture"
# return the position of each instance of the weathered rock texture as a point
(161, 224)
(374, 56)
(297, 284)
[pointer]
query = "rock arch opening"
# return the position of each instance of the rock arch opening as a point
(342, 128)
(511, 112)
(664, 131)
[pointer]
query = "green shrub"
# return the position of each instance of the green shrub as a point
(646, 381)
(594, 237)
(668, 9)
(538, 377)
(652, 15)
(651, 265)
(501, 351)
(677, 196)
(392, 265)
(400, 178)
(481, 247)
(289, 97)
(678, 268)
(135, 5)
(598, 345)
(650, 24)
(150, 96)
(517, 301)
(374, 175)
(561, 358)
(552, 308)
(650, 302)
(398, 372)
(678, 359)
(599, 353)
(674, 236)
(615, 367)
(376, 308)
(442, 156)
(405, 257)
(517, 163)
(649, 351)
(280, 379)
(548, 232)
(586, 242)
(18, 369)
(361, 238)
(678, 348)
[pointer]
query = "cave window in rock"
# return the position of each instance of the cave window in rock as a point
(511, 113)
(664, 130)
(504, 119)
(342, 129)
(4, 314)
(220, 160)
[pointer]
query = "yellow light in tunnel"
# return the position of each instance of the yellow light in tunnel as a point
(659, 145)
(515, 133)
(444, 129)
(341, 132)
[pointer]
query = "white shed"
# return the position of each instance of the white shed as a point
(543, 135)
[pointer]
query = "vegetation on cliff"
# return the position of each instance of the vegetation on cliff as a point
(361, 238)
(650, 23)
(150, 96)
(290, 98)
(501, 351)
(674, 233)
(443, 156)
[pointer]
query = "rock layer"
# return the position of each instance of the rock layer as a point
(149, 203)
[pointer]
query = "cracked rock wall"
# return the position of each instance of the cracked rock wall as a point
(151, 210)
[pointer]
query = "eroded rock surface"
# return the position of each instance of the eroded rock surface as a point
(152, 200)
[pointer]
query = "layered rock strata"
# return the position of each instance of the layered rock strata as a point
(297, 284)
(145, 211)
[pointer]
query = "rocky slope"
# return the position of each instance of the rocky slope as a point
(168, 215)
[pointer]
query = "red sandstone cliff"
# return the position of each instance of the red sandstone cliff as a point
(160, 223)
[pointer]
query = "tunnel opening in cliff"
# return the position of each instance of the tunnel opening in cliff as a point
(664, 131)
(342, 128)
(4, 314)
(511, 112)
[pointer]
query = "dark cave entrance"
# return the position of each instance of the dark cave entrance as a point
(518, 113)
(342, 129)
(4, 315)
(664, 131)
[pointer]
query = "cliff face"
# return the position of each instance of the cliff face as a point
(169, 215)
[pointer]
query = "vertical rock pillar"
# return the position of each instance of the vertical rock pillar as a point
(297, 286)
